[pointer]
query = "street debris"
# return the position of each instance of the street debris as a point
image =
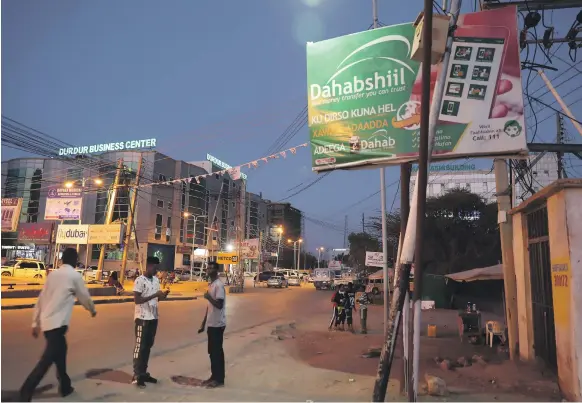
(435, 386)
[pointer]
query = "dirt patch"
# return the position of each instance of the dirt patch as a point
(337, 351)
(492, 374)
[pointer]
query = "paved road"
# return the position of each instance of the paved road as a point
(106, 341)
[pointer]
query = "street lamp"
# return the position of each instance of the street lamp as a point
(319, 250)
(280, 231)
(196, 217)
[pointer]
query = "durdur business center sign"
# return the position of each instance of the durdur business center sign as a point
(105, 147)
(364, 95)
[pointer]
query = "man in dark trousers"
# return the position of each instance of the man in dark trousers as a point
(146, 294)
(216, 323)
(52, 314)
(350, 305)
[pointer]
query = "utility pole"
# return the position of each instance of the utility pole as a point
(363, 224)
(402, 275)
(109, 215)
(565, 108)
(130, 219)
(346, 232)
(506, 233)
(560, 140)
(405, 171)
(385, 273)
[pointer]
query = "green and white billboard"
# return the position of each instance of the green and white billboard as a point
(364, 101)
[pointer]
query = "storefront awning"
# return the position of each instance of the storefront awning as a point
(483, 273)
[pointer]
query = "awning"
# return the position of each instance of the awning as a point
(380, 274)
(484, 273)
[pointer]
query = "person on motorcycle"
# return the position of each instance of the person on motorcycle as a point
(339, 301)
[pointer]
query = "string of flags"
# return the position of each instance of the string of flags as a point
(234, 172)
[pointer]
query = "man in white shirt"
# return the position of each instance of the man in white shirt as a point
(52, 314)
(146, 293)
(216, 323)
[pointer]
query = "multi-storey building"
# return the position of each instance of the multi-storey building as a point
(161, 227)
(289, 218)
(446, 176)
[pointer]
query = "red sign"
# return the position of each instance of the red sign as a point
(39, 233)
(184, 249)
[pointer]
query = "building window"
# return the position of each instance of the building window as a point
(182, 229)
(169, 228)
(170, 206)
(162, 178)
(159, 221)
(160, 203)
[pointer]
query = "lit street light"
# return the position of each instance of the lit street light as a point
(319, 250)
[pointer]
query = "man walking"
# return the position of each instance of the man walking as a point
(52, 314)
(146, 293)
(216, 322)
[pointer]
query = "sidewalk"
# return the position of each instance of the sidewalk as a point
(259, 367)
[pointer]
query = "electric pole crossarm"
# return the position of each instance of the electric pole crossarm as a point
(533, 5)
(555, 148)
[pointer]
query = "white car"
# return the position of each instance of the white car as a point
(277, 281)
(295, 281)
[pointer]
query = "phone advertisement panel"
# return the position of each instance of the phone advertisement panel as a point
(364, 95)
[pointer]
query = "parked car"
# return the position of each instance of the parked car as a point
(277, 281)
(29, 268)
(264, 276)
(295, 281)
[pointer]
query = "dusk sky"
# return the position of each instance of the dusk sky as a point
(220, 77)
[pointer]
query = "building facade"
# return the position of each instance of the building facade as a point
(444, 177)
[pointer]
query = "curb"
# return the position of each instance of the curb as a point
(101, 302)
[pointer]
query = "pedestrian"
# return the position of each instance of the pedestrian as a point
(350, 305)
(339, 303)
(146, 294)
(216, 322)
(52, 314)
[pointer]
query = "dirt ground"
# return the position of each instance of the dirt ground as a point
(494, 375)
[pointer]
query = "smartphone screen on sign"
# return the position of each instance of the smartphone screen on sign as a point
(473, 73)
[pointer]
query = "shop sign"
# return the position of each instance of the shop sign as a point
(375, 259)
(104, 147)
(249, 248)
(38, 233)
(184, 249)
(227, 258)
(106, 234)
(10, 213)
(72, 234)
(63, 204)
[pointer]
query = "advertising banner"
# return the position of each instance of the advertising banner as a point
(375, 259)
(110, 234)
(10, 213)
(39, 234)
(63, 204)
(364, 95)
(72, 234)
(249, 248)
(227, 258)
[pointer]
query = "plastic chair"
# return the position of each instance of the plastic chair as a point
(494, 328)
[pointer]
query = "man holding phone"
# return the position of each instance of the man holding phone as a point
(146, 294)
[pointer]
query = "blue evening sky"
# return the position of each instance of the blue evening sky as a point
(223, 77)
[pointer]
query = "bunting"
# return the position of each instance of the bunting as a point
(234, 171)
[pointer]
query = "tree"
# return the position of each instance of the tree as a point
(360, 243)
(461, 232)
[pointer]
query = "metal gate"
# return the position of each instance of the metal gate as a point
(541, 286)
